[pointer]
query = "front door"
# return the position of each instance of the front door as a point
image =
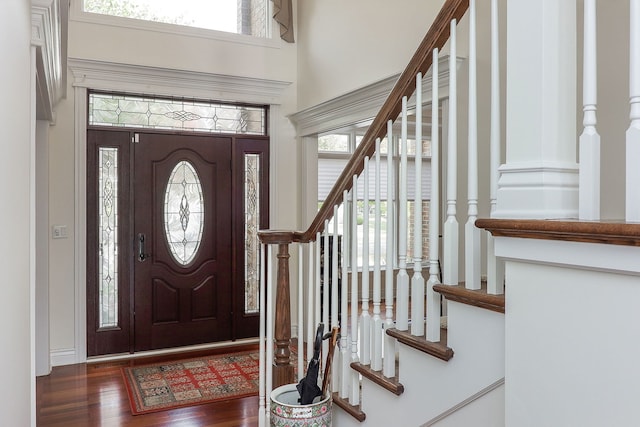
(171, 238)
(182, 228)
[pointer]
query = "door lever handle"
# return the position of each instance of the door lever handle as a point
(141, 252)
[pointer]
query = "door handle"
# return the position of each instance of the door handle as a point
(141, 252)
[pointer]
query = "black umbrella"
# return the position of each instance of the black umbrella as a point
(308, 385)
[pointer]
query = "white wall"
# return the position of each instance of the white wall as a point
(15, 121)
(572, 344)
(161, 50)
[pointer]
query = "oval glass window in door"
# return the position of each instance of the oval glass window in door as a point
(184, 212)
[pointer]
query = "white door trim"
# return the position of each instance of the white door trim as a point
(109, 76)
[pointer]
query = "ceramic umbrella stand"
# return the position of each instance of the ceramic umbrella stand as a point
(286, 411)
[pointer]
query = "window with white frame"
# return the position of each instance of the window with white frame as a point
(334, 152)
(249, 17)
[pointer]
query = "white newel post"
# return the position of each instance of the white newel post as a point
(589, 188)
(365, 318)
(495, 266)
(540, 177)
(354, 396)
(633, 133)
(345, 378)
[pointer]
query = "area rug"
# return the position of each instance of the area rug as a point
(170, 385)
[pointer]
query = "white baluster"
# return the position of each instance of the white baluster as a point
(450, 244)
(354, 397)
(589, 178)
(269, 326)
(325, 286)
(402, 301)
(433, 298)
(633, 133)
(376, 324)
(345, 377)
(335, 373)
(311, 321)
(300, 331)
(495, 266)
(417, 281)
(389, 367)
(365, 318)
(318, 310)
(472, 233)
(262, 345)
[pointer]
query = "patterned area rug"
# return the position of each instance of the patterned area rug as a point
(189, 382)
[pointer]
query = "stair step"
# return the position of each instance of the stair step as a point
(353, 410)
(391, 384)
(479, 298)
(436, 349)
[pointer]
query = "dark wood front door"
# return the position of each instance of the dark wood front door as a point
(182, 228)
(171, 238)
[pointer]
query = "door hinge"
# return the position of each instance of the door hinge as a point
(135, 138)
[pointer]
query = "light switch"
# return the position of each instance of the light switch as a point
(59, 232)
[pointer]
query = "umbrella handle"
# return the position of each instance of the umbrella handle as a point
(327, 370)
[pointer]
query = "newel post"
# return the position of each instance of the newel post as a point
(282, 368)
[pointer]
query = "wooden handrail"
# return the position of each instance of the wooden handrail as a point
(421, 61)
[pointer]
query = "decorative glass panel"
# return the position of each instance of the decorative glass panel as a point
(251, 227)
(175, 114)
(108, 236)
(184, 212)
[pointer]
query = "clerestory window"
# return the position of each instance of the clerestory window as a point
(249, 17)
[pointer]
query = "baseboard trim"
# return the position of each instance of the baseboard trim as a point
(464, 403)
(127, 356)
(63, 357)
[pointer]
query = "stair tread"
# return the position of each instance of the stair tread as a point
(478, 298)
(391, 384)
(354, 410)
(437, 349)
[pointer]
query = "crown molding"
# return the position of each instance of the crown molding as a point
(101, 75)
(49, 19)
(362, 104)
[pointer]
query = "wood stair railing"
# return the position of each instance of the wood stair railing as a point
(421, 62)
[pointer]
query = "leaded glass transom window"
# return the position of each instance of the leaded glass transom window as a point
(251, 227)
(184, 212)
(108, 236)
(175, 114)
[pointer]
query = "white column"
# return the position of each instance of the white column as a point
(495, 266)
(540, 177)
(589, 188)
(451, 228)
(633, 133)
(472, 233)
(433, 298)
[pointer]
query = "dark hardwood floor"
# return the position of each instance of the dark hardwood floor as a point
(94, 395)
